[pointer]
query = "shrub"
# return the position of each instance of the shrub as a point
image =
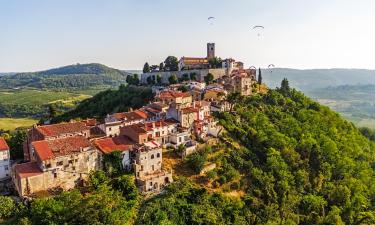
(7, 207)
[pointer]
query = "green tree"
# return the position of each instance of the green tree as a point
(171, 63)
(52, 111)
(183, 88)
(7, 207)
(173, 79)
(215, 62)
(146, 68)
(260, 77)
(161, 66)
(193, 76)
(209, 78)
(158, 79)
(16, 142)
(125, 184)
(113, 163)
(196, 161)
(284, 89)
(98, 179)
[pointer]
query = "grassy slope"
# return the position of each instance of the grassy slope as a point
(13, 123)
(32, 97)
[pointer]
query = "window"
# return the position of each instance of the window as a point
(60, 163)
(55, 175)
(48, 165)
(152, 156)
(110, 129)
(158, 155)
(6, 168)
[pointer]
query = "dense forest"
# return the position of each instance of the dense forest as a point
(73, 77)
(110, 101)
(282, 159)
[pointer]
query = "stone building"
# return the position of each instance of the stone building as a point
(115, 121)
(4, 159)
(149, 173)
(58, 163)
(51, 132)
(120, 143)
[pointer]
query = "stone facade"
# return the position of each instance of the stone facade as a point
(149, 173)
(4, 159)
(60, 163)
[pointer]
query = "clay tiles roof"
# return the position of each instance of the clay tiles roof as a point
(3, 145)
(108, 145)
(90, 122)
(138, 128)
(173, 94)
(189, 110)
(49, 149)
(62, 128)
(27, 169)
(159, 123)
(129, 116)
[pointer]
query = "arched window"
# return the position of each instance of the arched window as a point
(152, 156)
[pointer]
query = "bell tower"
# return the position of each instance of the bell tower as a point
(210, 50)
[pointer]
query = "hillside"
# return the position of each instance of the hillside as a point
(284, 159)
(307, 80)
(72, 77)
(109, 101)
(355, 102)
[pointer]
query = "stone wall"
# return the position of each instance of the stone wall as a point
(199, 73)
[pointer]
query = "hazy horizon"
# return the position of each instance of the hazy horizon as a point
(40, 35)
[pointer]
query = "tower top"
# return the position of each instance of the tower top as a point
(210, 50)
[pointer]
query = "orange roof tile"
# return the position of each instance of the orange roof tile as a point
(62, 128)
(49, 149)
(130, 116)
(27, 169)
(3, 145)
(108, 145)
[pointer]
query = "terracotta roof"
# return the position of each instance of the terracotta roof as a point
(28, 169)
(108, 145)
(3, 145)
(49, 149)
(137, 128)
(173, 94)
(129, 116)
(189, 110)
(90, 122)
(62, 128)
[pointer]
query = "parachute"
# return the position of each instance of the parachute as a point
(270, 67)
(258, 28)
(211, 20)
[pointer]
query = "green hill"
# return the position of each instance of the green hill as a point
(73, 77)
(307, 80)
(284, 159)
(109, 101)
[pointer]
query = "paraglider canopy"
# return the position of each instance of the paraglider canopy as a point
(211, 19)
(258, 27)
(270, 67)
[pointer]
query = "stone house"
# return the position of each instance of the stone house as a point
(114, 122)
(4, 159)
(57, 163)
(149, 173)
(170, 97)
(120, 143)
(51, 132)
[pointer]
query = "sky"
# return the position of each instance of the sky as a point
(42, 34)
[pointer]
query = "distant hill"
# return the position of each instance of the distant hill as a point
(72, 77)
(306, 80)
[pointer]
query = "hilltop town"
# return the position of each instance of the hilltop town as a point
(62, 156)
